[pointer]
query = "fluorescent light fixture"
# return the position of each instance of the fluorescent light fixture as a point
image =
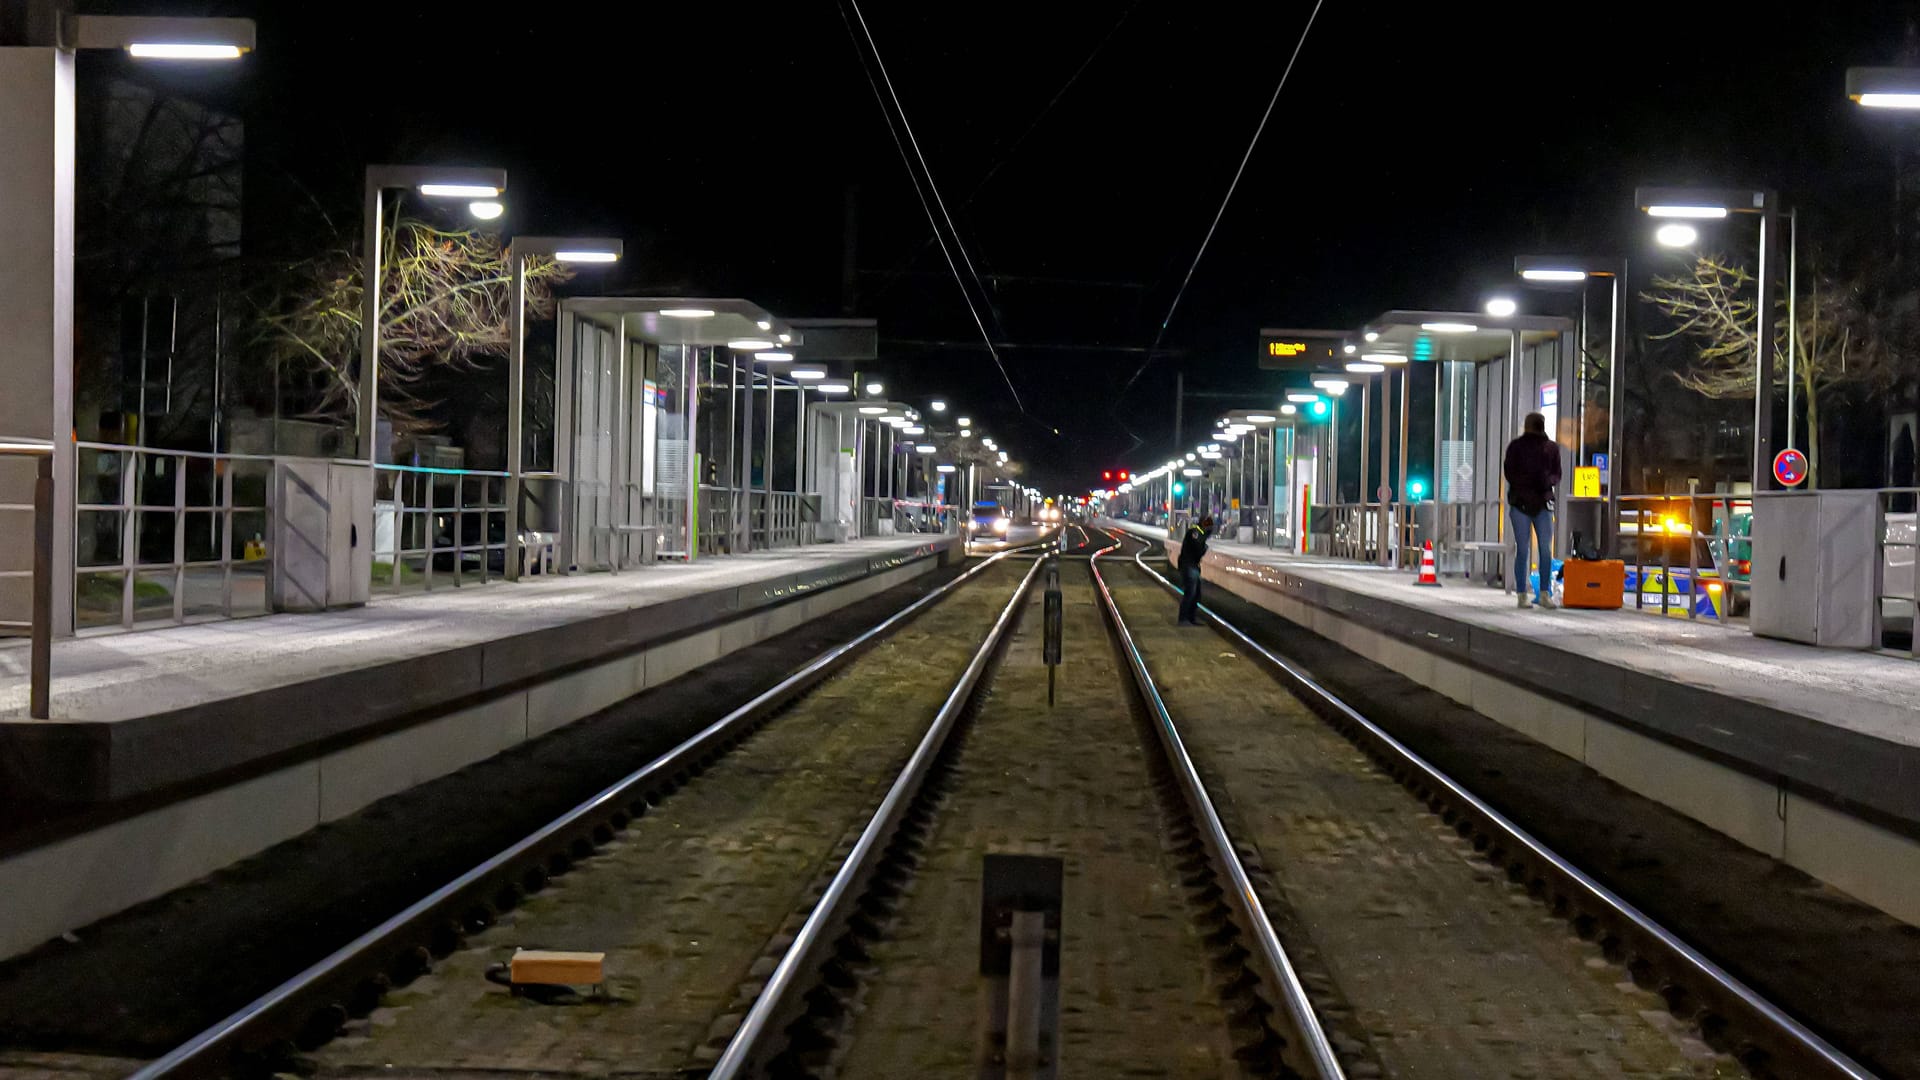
(687, 313)
(1549, 274)
(1676, 235)
(1449, 327)
(1501, 307)
(1211, 455)
(183, 50)
(943, 468)
(1889, 101)
(913, 429)
(938, 406)
(1348, 349)
(1222, 436)
(1373, 335)
(749, 345)
(764, 325)
(923, 448)
(1261, 418)
(1189, 457)
(1383, 358)
(1192, 472)
(833, 388)
(1003, 456)
(459, 191)
(1365, 367)
(786, 339)
(1289, 410)
(895, 420)
(875, 389)
(965, 421)
(586, 256)
(486, 209)
(807, 374)
(1687, 211)
(872, 410)
(1300, 398)
(1332, 386)
(773, 356)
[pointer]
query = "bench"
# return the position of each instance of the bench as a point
(616, 534)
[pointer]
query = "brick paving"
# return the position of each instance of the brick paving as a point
(1136, 994)
(1450, 971)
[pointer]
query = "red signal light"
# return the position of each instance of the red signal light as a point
(1108, 475)
(1124, 475)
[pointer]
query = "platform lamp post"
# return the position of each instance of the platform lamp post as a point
(1713, 204)
(478, 187)
(577, 250)
(38, 41)
(1573, 271)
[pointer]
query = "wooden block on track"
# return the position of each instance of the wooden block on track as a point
(545, 967)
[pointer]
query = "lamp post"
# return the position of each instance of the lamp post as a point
(37, 45)
(434, 182)
(588, 251)
(1574, 271)
(1710, 204)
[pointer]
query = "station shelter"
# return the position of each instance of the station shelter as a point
(1395, 433)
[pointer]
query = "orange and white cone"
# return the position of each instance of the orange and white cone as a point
(1427, 574)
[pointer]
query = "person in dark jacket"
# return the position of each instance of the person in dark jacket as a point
(1192, 549)
(1532, 469)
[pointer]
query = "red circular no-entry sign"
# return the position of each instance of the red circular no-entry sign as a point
(1790, 467)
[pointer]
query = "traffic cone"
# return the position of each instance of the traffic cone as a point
(1427, 574)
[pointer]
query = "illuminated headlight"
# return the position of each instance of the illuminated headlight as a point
(1000, 525)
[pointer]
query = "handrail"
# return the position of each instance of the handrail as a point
(40, 618)
(1293, 994)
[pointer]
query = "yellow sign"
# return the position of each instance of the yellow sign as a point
(1286, 348)
(1586, 483)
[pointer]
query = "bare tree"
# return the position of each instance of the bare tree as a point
(1838, 342)
(445, 308)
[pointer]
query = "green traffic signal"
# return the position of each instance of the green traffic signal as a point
(1179, 488)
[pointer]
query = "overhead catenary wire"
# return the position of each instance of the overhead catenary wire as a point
(1231, 187)
(904, 124)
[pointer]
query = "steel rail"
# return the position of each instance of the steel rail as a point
(1305, 686)
(761, 1034)
(279, 1009)
(1313, 1046)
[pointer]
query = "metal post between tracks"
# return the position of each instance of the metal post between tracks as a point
(1054, 619)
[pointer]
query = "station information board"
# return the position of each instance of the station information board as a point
(1297, 350)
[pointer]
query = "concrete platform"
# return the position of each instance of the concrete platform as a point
(138, 713)
(176, 752)
(1811, 755)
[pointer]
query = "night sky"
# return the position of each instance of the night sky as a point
(1416, 149)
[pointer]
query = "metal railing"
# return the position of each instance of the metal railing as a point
(169, 535)
(39, 621)
(1896, 544)
(435, 527)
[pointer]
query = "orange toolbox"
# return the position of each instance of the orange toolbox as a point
(1593, 583)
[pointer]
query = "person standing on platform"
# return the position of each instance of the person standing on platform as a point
(1532, 469)
(1193, 549)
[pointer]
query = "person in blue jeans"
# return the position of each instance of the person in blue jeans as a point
(1532, 469)
(1193, 548)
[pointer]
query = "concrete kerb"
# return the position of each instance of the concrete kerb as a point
(1857, 829)
(77, 879)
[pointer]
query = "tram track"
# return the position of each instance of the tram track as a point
(1439, 934)
(846, 708)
